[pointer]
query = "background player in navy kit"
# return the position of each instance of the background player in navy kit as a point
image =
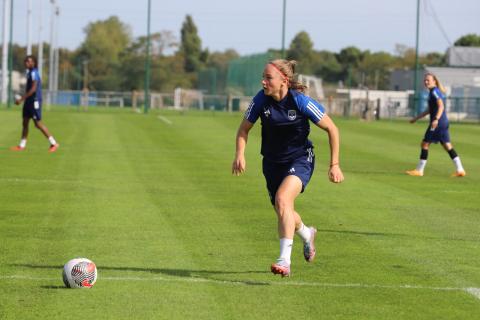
(437, 130)
(32, 106)
(288, 159)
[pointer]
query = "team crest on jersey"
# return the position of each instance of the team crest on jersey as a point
(266, 112)
(292, 115)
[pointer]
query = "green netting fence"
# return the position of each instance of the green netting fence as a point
(245, 74)
(242, 77)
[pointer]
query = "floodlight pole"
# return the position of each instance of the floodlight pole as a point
(85, 75)
(416, 99)
(51, 60)
(10, 58)
(29, 29)
(283, 27)
(147, 64)
(40, 42)
(6, 12)
(56, 52)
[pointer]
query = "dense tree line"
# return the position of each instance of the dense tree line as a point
(353, 67)
(111, 59)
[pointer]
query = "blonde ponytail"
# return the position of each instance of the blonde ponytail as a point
(438, 84)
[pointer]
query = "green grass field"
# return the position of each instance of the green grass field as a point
(150, 199)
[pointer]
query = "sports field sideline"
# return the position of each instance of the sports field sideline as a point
(150, 199)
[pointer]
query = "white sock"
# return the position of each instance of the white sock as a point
(52, 140)
(285, 249)
(23, 143)
(421, 165)
(458, 164)
(304, 233)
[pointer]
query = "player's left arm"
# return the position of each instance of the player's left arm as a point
(335, 174)
(317, 114)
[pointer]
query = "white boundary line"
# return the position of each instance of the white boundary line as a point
(39, 180)
(473, 291)
(164, 119)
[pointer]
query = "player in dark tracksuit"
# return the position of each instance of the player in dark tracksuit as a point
(437, 130)
(32, 105)
(288, 158)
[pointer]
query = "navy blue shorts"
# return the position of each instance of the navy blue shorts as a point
(440, 134)
(33, 110)
(275, 173)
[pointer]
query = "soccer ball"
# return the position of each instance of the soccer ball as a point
(79, 273)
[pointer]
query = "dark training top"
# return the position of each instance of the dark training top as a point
(33, 75)
(433, 96)
(285, 125)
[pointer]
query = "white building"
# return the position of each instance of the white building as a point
(377, 103)
(18, 82)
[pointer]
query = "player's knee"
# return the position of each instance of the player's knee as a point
(282, 203)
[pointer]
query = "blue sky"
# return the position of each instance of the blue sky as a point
(253, 26)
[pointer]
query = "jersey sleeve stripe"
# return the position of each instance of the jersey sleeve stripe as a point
(249, 110)
(316, 112)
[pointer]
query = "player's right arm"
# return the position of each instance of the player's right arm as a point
(420, 116)
(29, 93)
(251, 116)
(239, 164)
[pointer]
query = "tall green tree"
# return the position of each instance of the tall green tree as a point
(168, 73)
(375, 69)
(133, 58)
(405, 59)
(469, 40)
(105, 41)
(68, 75)
(214, 78)
(349, 58)
(191, 46)
(301, 50)
(434, 59)
(326, 66)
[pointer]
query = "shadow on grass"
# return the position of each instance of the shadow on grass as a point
(208, 275)
(54, 287)
(395, 235)
(360, 233)
(377, 172)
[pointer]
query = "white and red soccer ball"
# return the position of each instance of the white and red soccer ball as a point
(79, 273)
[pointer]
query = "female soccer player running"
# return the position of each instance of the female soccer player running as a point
(288, 158)
(32, 106)
(437, 130)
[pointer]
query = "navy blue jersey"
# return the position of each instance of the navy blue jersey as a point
(285, 124)
(33, 75)
(434, 95)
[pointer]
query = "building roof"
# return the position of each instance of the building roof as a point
(463, 56)
(453, 77)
